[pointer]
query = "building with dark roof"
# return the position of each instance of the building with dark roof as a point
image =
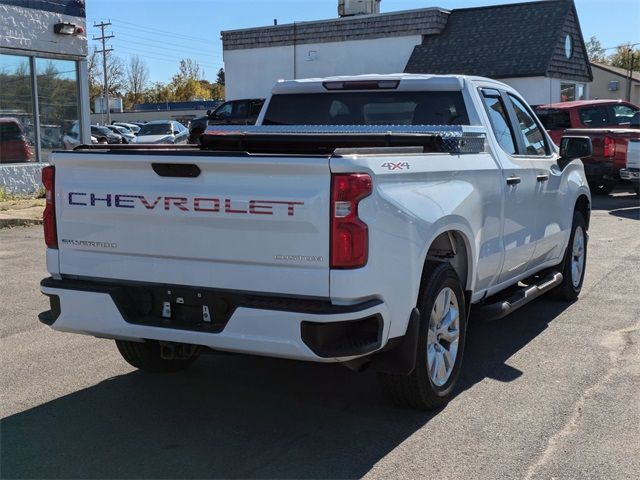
(537, 47)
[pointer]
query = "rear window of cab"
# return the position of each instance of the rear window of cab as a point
(367, 108)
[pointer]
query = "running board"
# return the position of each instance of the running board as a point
(502, 308)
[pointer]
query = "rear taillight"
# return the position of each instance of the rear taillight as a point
(608, 147)
(49, 215)
(349, 234)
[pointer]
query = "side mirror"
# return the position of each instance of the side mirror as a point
(176, 132)
(574, 147)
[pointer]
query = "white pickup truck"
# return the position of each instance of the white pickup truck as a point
(358, 222)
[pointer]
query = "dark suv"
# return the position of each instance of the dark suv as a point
(233, 112)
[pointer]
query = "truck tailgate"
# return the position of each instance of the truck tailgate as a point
(255, 223)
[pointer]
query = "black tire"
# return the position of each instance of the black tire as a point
(194, 136)
(146, 356)
(417, 390)
(602, 187)
(567, 290)
(636, 188)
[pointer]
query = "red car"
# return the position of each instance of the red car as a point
(13, 145)
(609, 123)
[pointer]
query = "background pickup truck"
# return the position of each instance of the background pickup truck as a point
(233, 112)
(358, 222)
(631, 172)
(610, 124)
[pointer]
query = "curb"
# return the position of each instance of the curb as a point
(19, 222)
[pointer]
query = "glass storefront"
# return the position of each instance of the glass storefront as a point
(22, 135)
(17, 123)
(57, 104)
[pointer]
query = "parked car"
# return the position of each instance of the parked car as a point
(609, 123)
(13, 144)
(631, 172)
(104, 135)
(134, 128)
(364, 245)
(233, 112)
(127, 135)
(162, 131)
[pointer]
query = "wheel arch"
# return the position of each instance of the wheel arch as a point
(451, 245)
(583, 205)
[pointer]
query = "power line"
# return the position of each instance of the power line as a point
(162, 49)
(189, 47)
(163, 33)
(166, 32)
(164, 58)
(622, 46)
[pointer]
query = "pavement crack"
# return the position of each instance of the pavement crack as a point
(618, 343)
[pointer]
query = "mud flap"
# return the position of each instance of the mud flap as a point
(400, 357)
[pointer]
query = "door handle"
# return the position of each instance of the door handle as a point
(513, 180)
(543, 177)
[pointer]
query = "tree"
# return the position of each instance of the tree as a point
(116, 74)
(137, 78)
(116, 77)
(158, 93)
(220, 78)
(188, 70)
(95, 82)
(189, 90)
(217, 91)
(626, 57)
(595, 51)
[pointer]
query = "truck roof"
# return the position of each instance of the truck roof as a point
(579, 103)
(408, 81)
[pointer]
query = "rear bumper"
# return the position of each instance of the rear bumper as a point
(302, 329)
(631, 174)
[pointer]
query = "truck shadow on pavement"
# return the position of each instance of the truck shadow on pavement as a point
(622, 204)
(241, 416)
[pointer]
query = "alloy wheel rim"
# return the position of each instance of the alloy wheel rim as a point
(577, 257)
(443, 337)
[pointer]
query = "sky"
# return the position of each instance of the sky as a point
(164, 31)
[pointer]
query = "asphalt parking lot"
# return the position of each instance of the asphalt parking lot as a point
(553, 391)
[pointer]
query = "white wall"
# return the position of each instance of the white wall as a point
(253, 72)
(536, 90)
(32, 29)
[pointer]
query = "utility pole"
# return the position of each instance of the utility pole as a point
(630, 79)
(104, 51)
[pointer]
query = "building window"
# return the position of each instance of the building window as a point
(17, 125)
(568, 46)
(57, 105)
(572, 91)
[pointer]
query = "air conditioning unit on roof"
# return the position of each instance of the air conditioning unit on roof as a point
(348, 8)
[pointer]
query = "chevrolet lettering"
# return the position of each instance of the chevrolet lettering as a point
(185, 204)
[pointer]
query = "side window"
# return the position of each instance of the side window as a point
(594, 116)
(622, 114)
(256, 106)
(499, 120)
(531, 135)
(240, 109)
(223, 111)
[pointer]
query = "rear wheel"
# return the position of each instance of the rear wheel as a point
(194, 136)
(574, 263)
(441, 340)
(149, 356)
